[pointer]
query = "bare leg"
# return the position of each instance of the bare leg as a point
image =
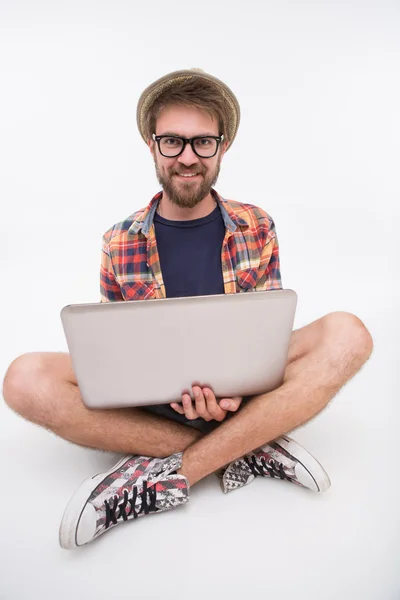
(323, 357)
(42, 388)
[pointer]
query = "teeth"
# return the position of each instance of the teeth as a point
(192, 175)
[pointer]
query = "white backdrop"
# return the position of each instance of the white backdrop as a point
(318, 148)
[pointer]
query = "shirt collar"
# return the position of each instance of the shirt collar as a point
(144, 222)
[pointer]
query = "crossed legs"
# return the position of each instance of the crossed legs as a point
(323, 356)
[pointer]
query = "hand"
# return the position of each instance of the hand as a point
(206, 405)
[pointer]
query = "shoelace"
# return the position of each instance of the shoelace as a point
(148, 496)
(273, 469)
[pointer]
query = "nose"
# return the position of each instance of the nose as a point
(188, 157)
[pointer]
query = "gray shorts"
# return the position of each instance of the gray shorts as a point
(165, 410)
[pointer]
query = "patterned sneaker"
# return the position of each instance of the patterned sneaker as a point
(135, 486)
(283, 458)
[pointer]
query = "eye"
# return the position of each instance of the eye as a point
(205, 146)
(171, 141)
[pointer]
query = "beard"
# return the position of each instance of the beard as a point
(187, 195)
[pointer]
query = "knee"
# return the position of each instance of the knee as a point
(24, 387)
(351, 334)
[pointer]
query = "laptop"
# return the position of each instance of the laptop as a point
(147, 352)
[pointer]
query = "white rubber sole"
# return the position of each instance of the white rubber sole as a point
(307, 460)
(72, 514)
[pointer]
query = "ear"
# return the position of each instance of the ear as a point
(224, 147)
(150, 143)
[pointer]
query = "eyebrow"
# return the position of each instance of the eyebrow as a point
(198, 135)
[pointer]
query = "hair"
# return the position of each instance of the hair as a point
(194, 92)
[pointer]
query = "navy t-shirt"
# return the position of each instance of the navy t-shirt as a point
(190, 254)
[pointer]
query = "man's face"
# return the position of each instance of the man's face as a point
(187, 122)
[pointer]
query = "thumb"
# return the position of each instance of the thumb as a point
(231, 404)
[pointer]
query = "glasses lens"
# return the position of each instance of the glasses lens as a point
(170, 146)
(205, 146)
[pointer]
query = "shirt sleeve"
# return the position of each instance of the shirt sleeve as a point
(269, 274)
(110, 290)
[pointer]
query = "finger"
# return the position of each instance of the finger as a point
(177, 407)
(213, 408)
(200, 404)
(190, 412)
(231, 404)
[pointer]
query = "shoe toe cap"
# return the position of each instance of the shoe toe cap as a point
(318, 483)
(305, 479)
(87, 525)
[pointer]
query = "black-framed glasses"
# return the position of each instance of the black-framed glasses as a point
(171, 146)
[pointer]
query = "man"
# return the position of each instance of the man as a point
(189, 241)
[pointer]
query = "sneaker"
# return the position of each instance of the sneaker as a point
(284, 459)
(135, 486)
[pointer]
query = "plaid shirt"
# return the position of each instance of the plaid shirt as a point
(130, 264)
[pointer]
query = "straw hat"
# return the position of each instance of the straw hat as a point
(153, 91)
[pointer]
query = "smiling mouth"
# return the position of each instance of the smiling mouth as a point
(188, 176)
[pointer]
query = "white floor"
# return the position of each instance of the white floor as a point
(268, 538)
(318, 148)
